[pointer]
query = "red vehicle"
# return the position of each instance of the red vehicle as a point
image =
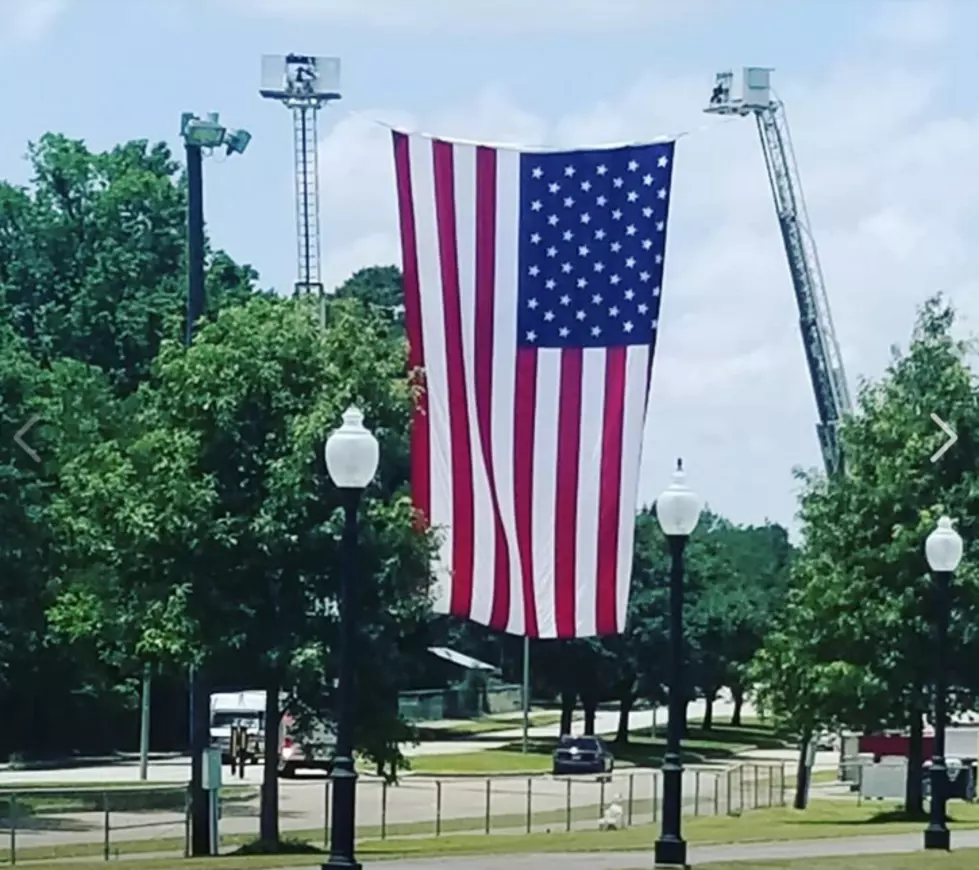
(880, 745)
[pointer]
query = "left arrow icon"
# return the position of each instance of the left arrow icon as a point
(19, 438)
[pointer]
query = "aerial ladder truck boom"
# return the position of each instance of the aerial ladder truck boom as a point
(815, 321)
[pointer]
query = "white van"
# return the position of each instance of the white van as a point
(229, 709)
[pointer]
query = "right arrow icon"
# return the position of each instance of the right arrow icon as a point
(952, 437)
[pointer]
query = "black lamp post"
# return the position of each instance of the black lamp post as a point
(351, 459)
(678, 510)
(943, 549)
(200, 135)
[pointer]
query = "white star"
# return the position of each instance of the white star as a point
(644, 276)
(538, 172)
(599, 234)
(616, 247)
(661, 193)
(627, 326)
(548, 316)
(630, 230)
(565, 300)
(564, 332)
(602, 169)
(597, 299)
(531, 304)
(630, 262)
(554, 187)
(647, 180)
(531, 336)
(568, 201)
(617, 182)
(582, 283)
(567, 235)
(599, 267)
(580, 315)
(632, 196)
(596, 331)
(633, 166)
(613, 311)
(655, 324)
(550, 284)
(647, 244)
(552, 251)
(534, 271)
(647, 212)
(552, 220)
(583, 250)
(660, 226)
(655, 291)
(586, 218)
(659, 259)
(630, 295)
(536, 205)
(535, 238)
(616, 215)
(662, 162)
(569, 171)
(566, 268)
(586, 185)
(601, 200)
(642, 308)
(614, 279)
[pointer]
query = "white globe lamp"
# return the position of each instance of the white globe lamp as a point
(678, 508)
(352, 452)
(943, 547)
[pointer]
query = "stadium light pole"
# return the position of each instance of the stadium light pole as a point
(678, 511)
(943, 550)
(200, 135)
(352, 456)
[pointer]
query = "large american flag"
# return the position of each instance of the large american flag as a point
(532, 293)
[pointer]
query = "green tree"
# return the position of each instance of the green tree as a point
(853, 646)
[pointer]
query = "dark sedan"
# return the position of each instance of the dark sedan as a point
(582, 755)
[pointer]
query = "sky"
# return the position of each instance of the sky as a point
(881, 107)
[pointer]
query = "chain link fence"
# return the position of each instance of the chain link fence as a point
(154, 820)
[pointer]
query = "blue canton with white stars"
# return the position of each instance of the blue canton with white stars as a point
(592, 239)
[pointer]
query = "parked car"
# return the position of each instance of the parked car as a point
(582, 755)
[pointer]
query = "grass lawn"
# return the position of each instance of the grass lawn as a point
(484, 763)
(485, 725)
(31, 799)
(823, 820)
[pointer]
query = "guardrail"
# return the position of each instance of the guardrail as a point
(48, 823)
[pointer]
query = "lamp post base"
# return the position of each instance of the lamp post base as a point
(939, 838)
(341, 864)
(670, 852)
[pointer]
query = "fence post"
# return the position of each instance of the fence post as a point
(326, 813)
(384, 809)
(601, 798)
(771, 787)
(530, 814)
(655, 795)
(187, 823)
(727, 776)
(741, 788)
(438, 807)
(105, 825)
(755, 766)
(781, 781)
(13, 829)
(488, 781)
(696, 793)
(717, 795)
(567, 804)
(632, 792)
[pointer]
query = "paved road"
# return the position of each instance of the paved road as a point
(698, 855)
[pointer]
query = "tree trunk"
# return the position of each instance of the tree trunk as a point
(709, 698)
(625, 708)
(269, 808)
(591, 708)
(737, 693)
(802, 770)
(914, 800)
(568, 702)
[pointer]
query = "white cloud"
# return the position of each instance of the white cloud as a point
(484, 15)
(23, 22)
(913, 24)
(894, 201)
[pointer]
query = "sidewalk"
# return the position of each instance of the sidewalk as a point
(698, 856)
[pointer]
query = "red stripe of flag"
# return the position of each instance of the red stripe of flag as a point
(524, 411)
(566, 495)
